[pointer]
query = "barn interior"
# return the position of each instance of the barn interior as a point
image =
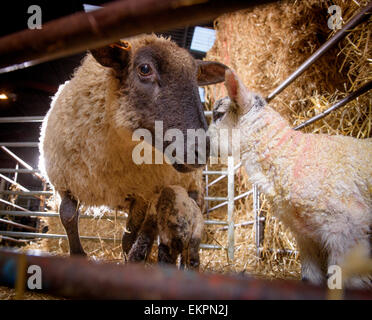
(265, 44)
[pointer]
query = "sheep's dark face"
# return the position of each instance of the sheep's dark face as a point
(161, 83)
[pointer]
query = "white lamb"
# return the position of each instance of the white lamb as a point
(320, 186)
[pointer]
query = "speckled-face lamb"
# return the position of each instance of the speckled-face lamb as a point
(180, 227)
(320, 186)
(86, 142)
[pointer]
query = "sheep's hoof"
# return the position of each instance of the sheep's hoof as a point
(305, 279)
(78, 253)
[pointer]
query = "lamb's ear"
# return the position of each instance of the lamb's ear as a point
(210, 72)
(237, 91)
(115, 56)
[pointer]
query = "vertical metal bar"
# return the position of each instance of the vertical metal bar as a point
(42, 199)
(206, 191)
(184, 40)
(230, 208)
(2, 188)
(16, 173)
(256, 209)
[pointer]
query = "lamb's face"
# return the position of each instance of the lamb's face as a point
(225, 121)
(228, 113)
(160, 80)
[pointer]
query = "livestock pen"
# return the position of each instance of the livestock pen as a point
(241, 234)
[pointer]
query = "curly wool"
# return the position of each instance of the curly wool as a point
(86, 140)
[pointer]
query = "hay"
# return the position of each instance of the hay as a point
(10, 294)
(265, 45)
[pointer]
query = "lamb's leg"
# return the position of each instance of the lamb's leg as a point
(194, 258)
(69, 214)
(166, 254)
(184, 258)
(339, 247)
(312, 261)
(137, 212)
(194, 244)
(145, 239)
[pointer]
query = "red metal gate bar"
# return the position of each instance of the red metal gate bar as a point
(80, 31)
(77, 277)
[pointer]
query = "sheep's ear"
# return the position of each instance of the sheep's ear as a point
(210, 72)
(115, 56)
(237, 91)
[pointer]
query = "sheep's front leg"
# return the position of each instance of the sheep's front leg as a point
(69, 214)
(145, 239)
(137, 212)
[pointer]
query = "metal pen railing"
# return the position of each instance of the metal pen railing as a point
(229, 200)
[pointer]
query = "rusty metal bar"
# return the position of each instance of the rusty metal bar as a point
(339, 104)
(118, 19)
(357, 19)
(79, 278)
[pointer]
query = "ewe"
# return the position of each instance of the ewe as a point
(86, 142)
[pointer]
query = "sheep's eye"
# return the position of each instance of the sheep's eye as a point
(144, 69)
